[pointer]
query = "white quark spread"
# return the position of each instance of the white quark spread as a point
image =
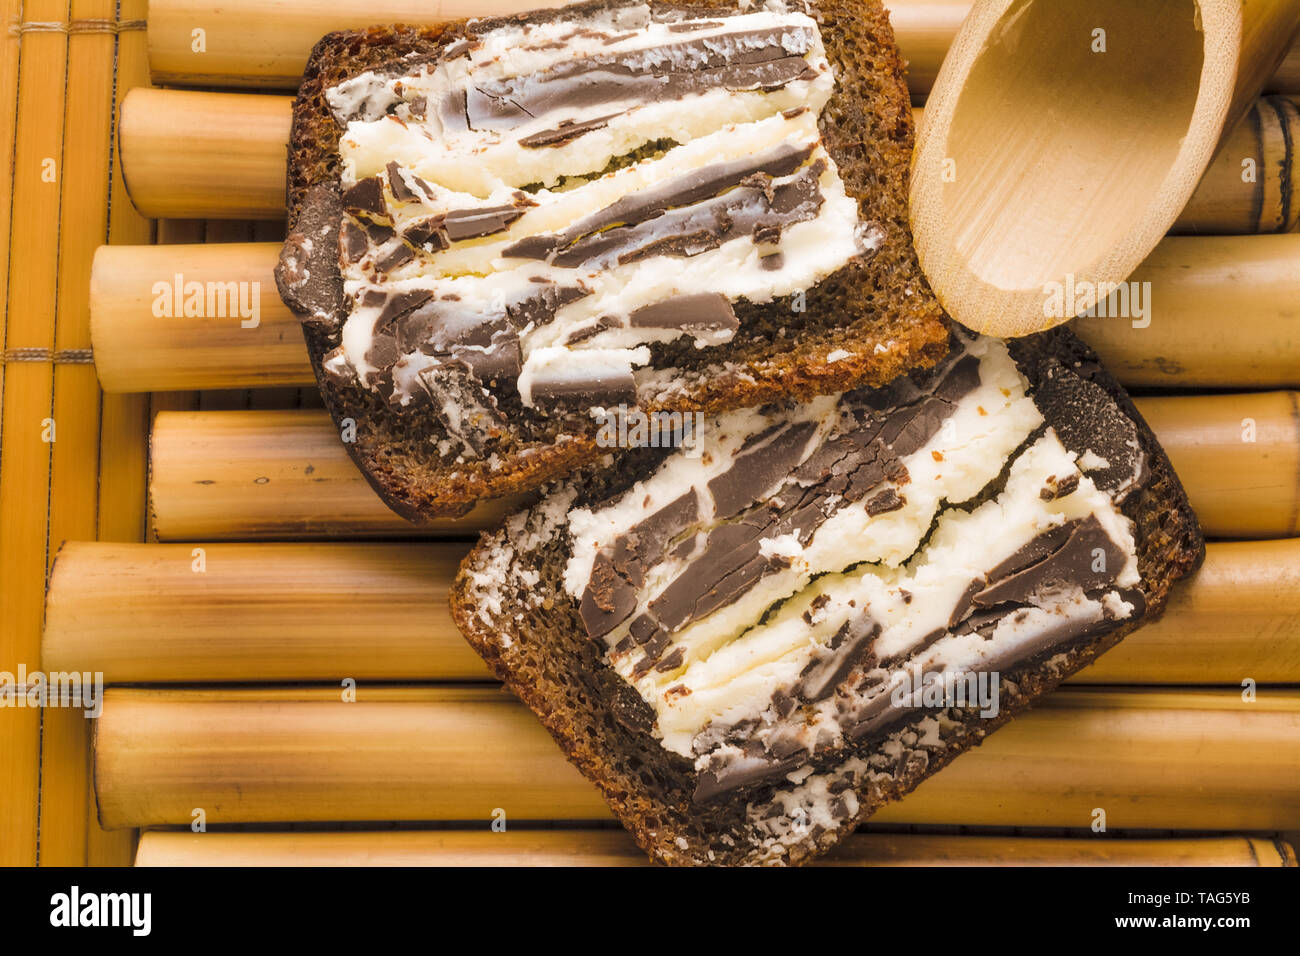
(623, 144)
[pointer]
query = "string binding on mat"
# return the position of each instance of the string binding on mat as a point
(88, 25)
(57, 356)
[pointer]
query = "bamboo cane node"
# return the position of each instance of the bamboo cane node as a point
(86, 25)
(1286, 116)
(56, 356)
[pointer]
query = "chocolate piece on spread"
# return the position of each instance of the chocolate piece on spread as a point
(699, 313)
(850, 647)
(565, 132)
(760, 470)
(397, 304)
(1087, 558)
(461, 224)
(888, 500)
(367, 196)
(1063, 488)
(397, 185)
(427, 234)
(398, 257)
(353, 244)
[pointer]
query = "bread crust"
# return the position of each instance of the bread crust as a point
(545, 657)
(896, 322)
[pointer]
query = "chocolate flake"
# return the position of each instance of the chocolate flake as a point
(367, 196)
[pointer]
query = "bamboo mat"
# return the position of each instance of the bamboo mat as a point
(67, 65)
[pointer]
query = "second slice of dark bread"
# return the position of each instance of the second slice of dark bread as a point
(511, 603)
(865, 324)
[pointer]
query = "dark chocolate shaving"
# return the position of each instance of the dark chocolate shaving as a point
(850, 647)
(1087, 558)
(760, 470)
(698, 314)
(565, 132)
(367, 196)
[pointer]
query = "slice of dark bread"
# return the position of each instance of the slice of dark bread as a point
(510, 602)
(870, 321)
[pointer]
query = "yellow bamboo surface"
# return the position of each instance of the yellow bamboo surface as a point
(286, 474)
(142, 348)
(28, 405)
(1237, 620)
(258, 612)
(1250, 185)
(268, 612)
(222, 155)
(615, 848)
(189, 154)
(1223, 313)
(1239, 456)
(1180, 340)
(1165, 759)
(246, 43)
(63, 62)
(18, 774)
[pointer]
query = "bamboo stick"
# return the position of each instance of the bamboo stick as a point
(306, 612)
(222, 475)
(189, 154)
(1153, 759)
(1238, 617)
(222, 155)
(1012, 198)
(142, 344)
(1250, 185)
(615, 848)
(1195, 282)
(1240, 459)
(257, 612)
(28, 395)
(1222, 314)
(245, 474)
(250, 44)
